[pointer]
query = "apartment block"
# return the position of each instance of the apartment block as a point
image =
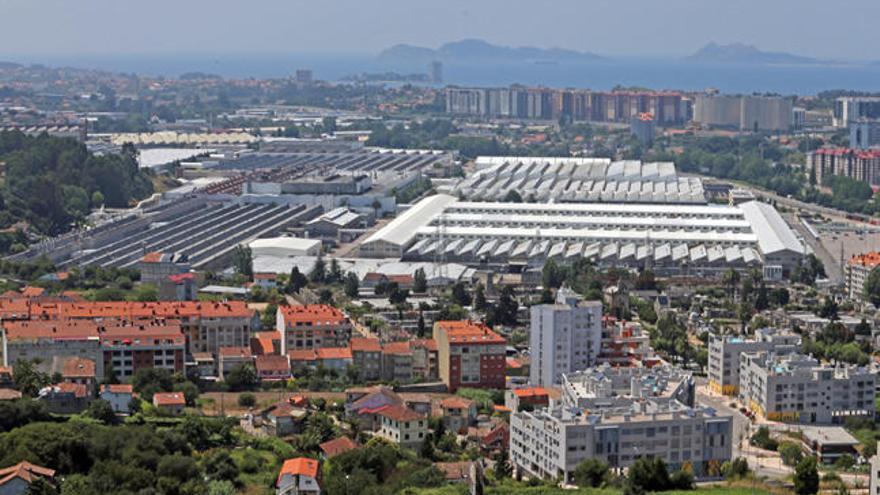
(725, 351)
(132, 346)
(311, 327)
(582, 388)
(856, 272)
(798, 389)
(564, 337)
(863, 165)
(745, 113)
(469, 355)
(550, 443)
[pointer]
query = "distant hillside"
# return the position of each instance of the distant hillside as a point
(473, 50)
(739, 53)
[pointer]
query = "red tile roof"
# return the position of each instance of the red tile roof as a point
(364, 344)
(300, 466)
(154, 257)
(30, 291)
(400, 413)
(313, 314)
(531, 392)
(77, 389)
(26, 471)
(303, 355)
(169, 399)
(397, 348)
(468, 332)
(456, 403)
(273, 363)
(235, 352)
(333, 353)
(868, 259)
(117, 388)
(338, 446)
(77, 367)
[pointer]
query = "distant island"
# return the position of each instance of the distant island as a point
(474, 50)
(373, 77)
(740, 53)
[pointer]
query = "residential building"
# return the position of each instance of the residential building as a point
(312, 326)
(874, 486)
(403, 426)
(550, 443)
(130, 346)
(299, 476)
(272, 367)
(529, 398)
(864, 134)
(157, 267)
(856, 272)
(366, 356)
(338, 359)
(231, 357)
(365, 405)
(80, 371)
(564, 337)
(341, 445)
(119, 396)
(858, 164)
(458, 413)
(829, 443)
(424, 358)
(469, 355)
(744, 113)
(849, 109)
(397, 362)
(170, 403)
(606, 382)
(797, 388)
(65, 398)
(725, 351)
(283, 419)
(17, 479)
(625, 343)
(48, 341)
(642, 127)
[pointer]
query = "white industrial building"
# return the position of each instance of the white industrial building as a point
(665, 237)
(284, 247)
(579, 180)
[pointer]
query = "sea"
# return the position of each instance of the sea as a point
(653, 73)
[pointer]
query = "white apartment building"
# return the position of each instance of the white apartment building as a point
(565, 337)
(552, 442)
(583, 388)
(856, 272)
(797, 388)
(725, 350)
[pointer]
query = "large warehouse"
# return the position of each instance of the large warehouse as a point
(582, 180)
(700, 238)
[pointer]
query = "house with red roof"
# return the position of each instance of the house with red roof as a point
(65, 398)
(17, 479)
(402, 426)
(299, 476)
(282, 419)
(273, 367)
(526, 397)
(490, 438)
(458, 413)
(80, 371)
(170, 403)
(118, 395)
(230, 357)
(341, 445)
(334, 358)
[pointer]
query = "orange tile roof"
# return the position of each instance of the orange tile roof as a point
(264, 342)
(117, 388)
(338, 446)
(132, 310)
(397, 348)
(400, 413)
(429, 344)
(153, 257)
(300, 466)
(333, 353)
(77, 367)
(273, 363)
(869, 260)
(169, 399)
(469, 332)
(30, 291)
(59, 330)
(313, 314)
(235, 352)
(303, 355)
(26, 471)
(531, 392)
(77, 389)
(456, 403)
(364, 344)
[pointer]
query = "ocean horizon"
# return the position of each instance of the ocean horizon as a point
(653, 73)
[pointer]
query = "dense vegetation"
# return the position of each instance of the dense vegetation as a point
(52, 183)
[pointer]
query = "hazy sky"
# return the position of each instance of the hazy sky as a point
(843, 29)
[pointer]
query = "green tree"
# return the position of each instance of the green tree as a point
(28, 378)
(247, 400)
(591, 472)
(148, 381)
(420, 281)
(552, 275)
(479, 302)
(871, 288)
(102, 411)
(335, 273)
(790, 452)
(319, 271)
(243, 261)
(241, 377)
(806, 477)
(296, 281)
(503, 469)
(351, 285)
(460, 294)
